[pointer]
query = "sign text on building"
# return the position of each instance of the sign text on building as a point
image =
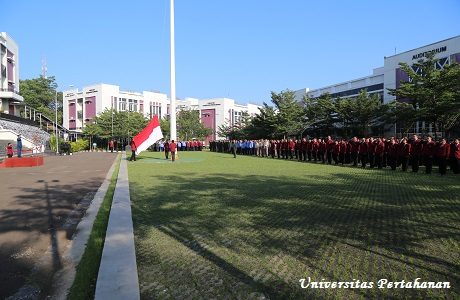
(423, 54)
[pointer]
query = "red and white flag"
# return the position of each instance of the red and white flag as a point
(148, 136)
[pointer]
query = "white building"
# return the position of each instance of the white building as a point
(390, 75)
(9, 75)
(80, 107)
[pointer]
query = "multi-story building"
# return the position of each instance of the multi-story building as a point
(80, 107)
(9, 75)
(390, 76)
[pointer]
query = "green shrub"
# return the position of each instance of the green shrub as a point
(79, 145)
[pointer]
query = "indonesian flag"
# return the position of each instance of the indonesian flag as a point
(148, 136)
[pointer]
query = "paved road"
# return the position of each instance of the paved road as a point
(40, 208)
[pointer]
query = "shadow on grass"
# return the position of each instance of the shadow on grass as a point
(408, 227)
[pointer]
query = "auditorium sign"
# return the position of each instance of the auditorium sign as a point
(424, 54)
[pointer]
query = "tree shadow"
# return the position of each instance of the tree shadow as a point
(45, 214)
(399, 226)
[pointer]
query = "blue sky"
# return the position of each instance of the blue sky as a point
(241, 49)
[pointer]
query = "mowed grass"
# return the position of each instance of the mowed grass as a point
(211, 226)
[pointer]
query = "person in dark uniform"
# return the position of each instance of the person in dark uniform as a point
(291, 148)
(304, 149)
(428, 153)
(416, 152)
(342, 151)
(405, 154)
(371, 152)
(329, 149)
(133, 150)
(322, 150)
(336, 152)
(443, 153)
(354, 148)
(456, 156)
(379, 151)
(166, 145)
(392, 151)
(363, 152)
(233, 148)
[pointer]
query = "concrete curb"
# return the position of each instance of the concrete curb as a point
(117, 278)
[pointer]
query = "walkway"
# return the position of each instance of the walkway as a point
(117, 277)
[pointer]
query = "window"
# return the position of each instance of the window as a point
(122, 104)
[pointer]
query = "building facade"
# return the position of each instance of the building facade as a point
(390, 75)
(81, 106)
(9, 75)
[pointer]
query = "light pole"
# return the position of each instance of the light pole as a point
(56, 123)
(112, 117)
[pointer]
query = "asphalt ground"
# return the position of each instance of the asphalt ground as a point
(40, 208)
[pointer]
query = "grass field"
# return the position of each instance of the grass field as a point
(211, 226)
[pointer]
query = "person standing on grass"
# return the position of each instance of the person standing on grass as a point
(166, 146)
(417, 148)
(428, 152)
(455, 156)
(233, 148)
(379, 151)
(393, 153)
(405, 154)
(443, 153)
(173, 149)
(354, 145)
(133, 150)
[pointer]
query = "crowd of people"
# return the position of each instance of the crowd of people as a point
(365, 152)
(181, 145)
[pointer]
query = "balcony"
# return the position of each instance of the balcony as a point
(11, 93)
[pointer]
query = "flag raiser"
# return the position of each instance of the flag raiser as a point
(148, 136)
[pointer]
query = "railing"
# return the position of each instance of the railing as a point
(18, 119)
(9, 89)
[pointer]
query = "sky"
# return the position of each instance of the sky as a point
(239, 49)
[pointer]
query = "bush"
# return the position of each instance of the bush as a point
(52, 142)
(79, 145)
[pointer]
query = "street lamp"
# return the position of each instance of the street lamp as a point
(56, 123)
(112, 116)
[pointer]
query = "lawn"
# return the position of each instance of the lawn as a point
(211, 226)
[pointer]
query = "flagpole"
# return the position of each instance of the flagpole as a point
(172, 108)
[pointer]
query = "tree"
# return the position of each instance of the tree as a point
(264, 124)
(400, 113)
(125, 124)
(290, 114)
(367, 110)
(165, 125)
(321, 114)
(189, 125)
(40, 93)
(434, 91)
